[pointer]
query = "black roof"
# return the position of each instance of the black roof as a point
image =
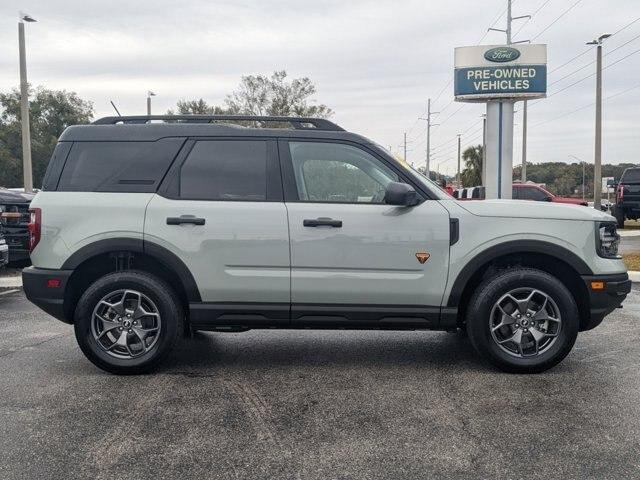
(154, 127)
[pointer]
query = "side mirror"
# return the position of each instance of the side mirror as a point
(548, 199)
(400, 194)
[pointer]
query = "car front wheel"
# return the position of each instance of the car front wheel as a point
(523, 320)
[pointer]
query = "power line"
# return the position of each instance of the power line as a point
(592, 62)
(591, 75)
(492, 24)
(448, 84)
(591, 48)
(556, 20)
(572, 60)
(544, 4)
(587, 77)
(586, 106)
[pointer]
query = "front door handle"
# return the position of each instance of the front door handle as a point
(322, 222)
(193, 220)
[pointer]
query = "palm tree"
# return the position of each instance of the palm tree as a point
(472, 173)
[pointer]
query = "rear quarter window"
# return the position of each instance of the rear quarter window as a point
(118, 166)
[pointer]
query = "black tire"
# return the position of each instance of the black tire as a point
(619, 214)
(168, 306)
(491, 290)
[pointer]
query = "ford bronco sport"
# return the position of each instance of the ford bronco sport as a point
(152, 227)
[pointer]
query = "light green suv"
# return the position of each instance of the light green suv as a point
(149, 228)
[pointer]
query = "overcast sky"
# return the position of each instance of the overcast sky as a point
(374, 62)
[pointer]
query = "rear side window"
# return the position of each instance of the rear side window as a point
(225, 170)
(631, 176)
(118, 166)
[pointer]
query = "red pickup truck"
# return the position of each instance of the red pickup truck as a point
(531, 191)
(521, 191)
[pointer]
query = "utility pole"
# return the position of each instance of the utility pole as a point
(429, 125)
(24, 106)
(524, 143)
(583, 173)
(459, 178)
(149, 95)
(510, 19)
(483, 177)
(597, 171)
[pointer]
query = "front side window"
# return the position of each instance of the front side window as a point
(339, 173)
(225, 170)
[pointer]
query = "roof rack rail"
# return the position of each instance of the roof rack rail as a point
(299, 123)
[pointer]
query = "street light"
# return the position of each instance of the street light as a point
(149, 95)
(583, 173)
(597, 171)
(24, 105)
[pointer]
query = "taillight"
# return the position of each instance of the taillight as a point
(35, 227)
(620, 193)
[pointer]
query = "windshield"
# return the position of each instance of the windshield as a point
(428, 184)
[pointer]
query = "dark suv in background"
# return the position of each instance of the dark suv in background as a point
(14, 221)
(627, 204)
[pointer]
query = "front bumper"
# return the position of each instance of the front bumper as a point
(46, 289)
(605, 300)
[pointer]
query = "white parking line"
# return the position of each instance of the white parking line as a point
(7, 292)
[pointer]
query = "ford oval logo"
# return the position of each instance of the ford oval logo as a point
(502, 54)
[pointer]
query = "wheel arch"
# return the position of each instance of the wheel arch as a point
(545, 256)
(99, 258)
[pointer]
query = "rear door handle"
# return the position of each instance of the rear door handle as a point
(185, 219)
(322, 222)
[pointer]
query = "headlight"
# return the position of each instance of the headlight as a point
(607, 240)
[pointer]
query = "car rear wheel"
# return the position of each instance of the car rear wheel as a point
(523, 320)
(127, 322)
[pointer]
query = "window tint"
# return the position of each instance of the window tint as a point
(331, 172)
(631, 176)
(532, 193)
(225, 170)
(118, 166)
(515, 193)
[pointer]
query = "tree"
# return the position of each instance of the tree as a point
(51, 111)
(472, 173)
(196, 107)
(262, 95)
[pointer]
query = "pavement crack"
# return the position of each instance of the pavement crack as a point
(30, 345)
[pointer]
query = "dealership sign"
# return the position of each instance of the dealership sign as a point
(500, 72)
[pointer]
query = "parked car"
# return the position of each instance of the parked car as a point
(627, 203)
(14, 218)
(532, 191)
(147, 231)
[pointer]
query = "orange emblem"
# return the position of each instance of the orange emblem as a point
(422, 257)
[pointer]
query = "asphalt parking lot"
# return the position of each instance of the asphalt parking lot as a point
(317, 405)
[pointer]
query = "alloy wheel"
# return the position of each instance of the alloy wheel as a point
(126, 324)
(525, 322)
